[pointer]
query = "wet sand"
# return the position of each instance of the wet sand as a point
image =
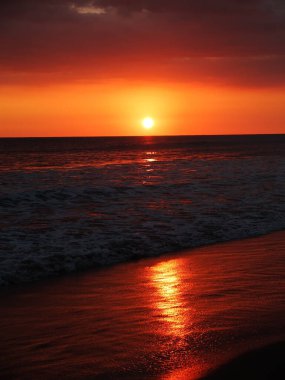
(175, 317)
(266, 363)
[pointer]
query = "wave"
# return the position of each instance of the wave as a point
(75, 211)
(51, 231)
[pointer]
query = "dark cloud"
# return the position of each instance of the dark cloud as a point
(224, 41)
(180, 5)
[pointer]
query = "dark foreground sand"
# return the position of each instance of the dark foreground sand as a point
(176, 317)
(265, 363)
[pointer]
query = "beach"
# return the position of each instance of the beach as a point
(179, 316)
(142, 190)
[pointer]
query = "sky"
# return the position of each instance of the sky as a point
(97, 68)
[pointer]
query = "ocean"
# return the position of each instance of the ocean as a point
(74, 203)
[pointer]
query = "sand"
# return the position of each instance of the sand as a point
(263, 363)
(179, 316)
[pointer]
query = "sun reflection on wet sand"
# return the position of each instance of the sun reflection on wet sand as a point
(170, 318)
(167, 280)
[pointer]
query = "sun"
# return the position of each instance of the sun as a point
(148, 122)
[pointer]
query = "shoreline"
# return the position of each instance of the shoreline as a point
(175, 316)
(85, 269)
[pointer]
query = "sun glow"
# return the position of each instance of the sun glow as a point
(148, 122)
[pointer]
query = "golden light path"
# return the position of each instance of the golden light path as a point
(176, 315)
(166, 278)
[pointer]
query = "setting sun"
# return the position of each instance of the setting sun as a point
(148, 122)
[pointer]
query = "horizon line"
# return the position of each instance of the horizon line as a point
(134, 136)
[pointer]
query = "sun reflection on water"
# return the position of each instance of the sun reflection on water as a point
(150, 160)
(150, 157)
(149, 171)
(169, 301)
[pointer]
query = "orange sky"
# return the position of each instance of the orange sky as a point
(114, 109)
(81, 68)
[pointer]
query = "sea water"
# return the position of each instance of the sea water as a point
(72, 203)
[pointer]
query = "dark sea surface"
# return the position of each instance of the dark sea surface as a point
(72, 203)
